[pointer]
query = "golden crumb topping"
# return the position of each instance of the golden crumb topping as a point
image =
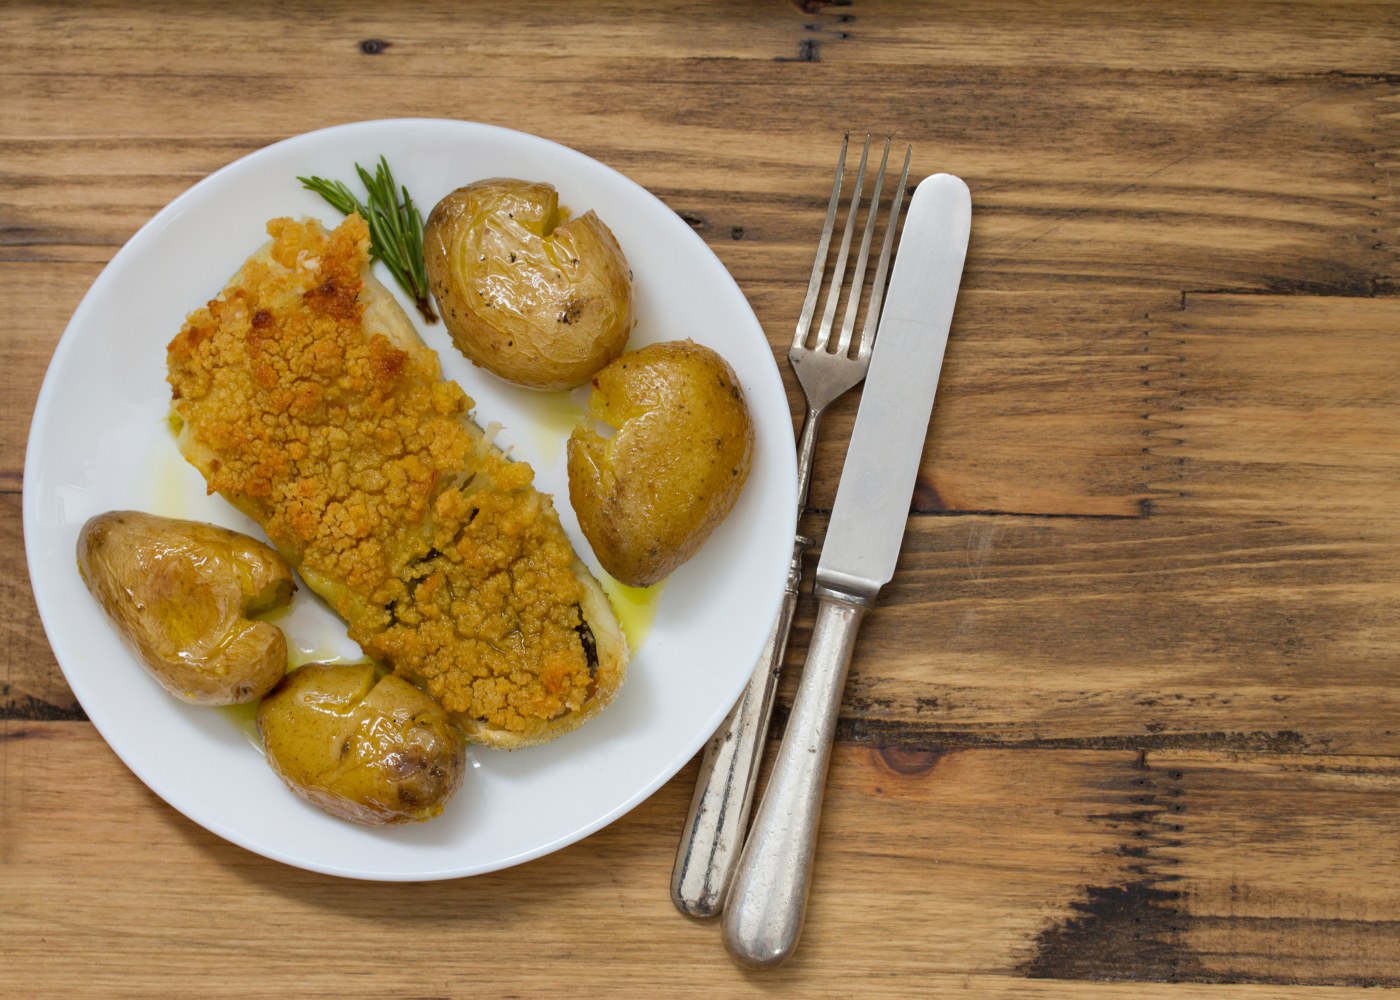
(353, 453)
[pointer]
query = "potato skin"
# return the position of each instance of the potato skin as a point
(650, 495)
(179, 592)
(537, 300)
(370, 749)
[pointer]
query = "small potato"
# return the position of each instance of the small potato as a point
(180, 593)
(374, 750)
(648, 496)
(535, 299)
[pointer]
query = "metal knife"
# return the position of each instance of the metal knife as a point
(768, 898)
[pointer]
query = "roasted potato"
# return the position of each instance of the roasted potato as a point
(649, 495)
(180, 594)
(538, 300)
(371, 749)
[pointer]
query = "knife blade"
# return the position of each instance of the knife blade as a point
(767, 902)
(866, 529)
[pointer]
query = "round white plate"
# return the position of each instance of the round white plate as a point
(100, 442)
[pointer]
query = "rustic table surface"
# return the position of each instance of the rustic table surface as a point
(1126, 721)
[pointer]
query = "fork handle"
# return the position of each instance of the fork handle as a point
(724, 791)
(768, 900)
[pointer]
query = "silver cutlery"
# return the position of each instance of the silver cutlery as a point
(768, 898)
(826, 368)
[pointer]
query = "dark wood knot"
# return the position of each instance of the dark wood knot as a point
(907, 762)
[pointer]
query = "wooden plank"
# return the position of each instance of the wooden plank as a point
(1290, 37)
(1220, 848)
(39, 299)
(1327, 855)
(1280, 408)
(1040, 866)
(1217, 173)
(424, 41)
(1250, 37)
(1159, 632)
(1214, 183)
(1039, 408)
(32, 686)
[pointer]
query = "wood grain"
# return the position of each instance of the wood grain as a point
(1130, 865)
(1124, 723)
(1279, 410)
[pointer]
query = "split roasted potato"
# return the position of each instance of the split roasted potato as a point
(532, 296)
(371, 749)
(649, 495)
(181, 594)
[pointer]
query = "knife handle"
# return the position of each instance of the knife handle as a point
(768, 899)
(724, 790)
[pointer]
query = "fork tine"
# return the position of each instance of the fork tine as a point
(848, 322)
(838, 277)
(809, 304)
(877, 290)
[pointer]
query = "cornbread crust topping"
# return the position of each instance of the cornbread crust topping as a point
(355, 456)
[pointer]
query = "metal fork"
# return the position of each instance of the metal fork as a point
(826, 368)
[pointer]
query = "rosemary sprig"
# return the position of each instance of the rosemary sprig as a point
(395, 227)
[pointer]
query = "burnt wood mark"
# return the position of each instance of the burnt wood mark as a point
(1134, 930)
(890, 734)
(31, 709)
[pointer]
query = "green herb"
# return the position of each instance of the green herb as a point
(395, 227)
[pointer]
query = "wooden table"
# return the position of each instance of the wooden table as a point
(1127, 713)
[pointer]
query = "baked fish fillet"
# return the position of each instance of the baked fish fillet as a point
(307, 400)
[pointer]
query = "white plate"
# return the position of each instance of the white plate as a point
(100, 442)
